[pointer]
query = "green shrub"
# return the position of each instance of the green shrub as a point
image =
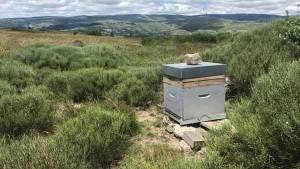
(292, 30)
(250, 55)
(87, 84)
(159, 156)
(102, 56)
(41, 45)
(138, 87)
(151, 76)
(267, 124)
(6, 88)
(204, 37)
(59, 84)
(133, 91)
(45, 57)
(78, 43)
(96, 32)
(224, 36)
(198, 37)
(17, 74)
(154, 40)
(39, 153)
(43, 75)
(276, 102)
(83, 84)
(70, 57)
(31, 110)
(227, 149)
(92, 140)
(100, 136)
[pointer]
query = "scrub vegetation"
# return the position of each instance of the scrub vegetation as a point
(70, 104)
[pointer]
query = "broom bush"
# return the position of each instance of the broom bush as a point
(30, 110)
(99, 135)
(17, 74)
(252, 54)
(267, 124)
(6, 88)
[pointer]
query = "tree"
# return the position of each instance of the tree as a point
(112, 34)
(287, 13)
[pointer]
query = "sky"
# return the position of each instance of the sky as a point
(30, 8)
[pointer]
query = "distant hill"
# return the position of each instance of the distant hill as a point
(135, 25)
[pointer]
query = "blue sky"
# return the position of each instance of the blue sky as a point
(29, 8)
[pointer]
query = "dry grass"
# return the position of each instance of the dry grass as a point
(10, 41)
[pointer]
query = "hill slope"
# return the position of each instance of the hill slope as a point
(129, 25)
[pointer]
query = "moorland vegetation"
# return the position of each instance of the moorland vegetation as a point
(71, 105)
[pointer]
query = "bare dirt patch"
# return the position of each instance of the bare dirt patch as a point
(154, 133)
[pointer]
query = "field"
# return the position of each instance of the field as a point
(138, 25)
(78, 101)
(64, 83)
(14, 40)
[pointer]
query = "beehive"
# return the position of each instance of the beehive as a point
(194, 93)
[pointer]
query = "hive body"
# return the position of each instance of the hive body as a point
(194, 93)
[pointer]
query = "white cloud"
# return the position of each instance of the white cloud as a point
(29, 8)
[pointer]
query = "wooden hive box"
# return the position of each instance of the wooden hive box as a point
(194, 93)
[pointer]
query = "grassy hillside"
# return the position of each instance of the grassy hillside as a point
(252, 54)
(13, 40)
(264, 67)
(69, 101)
(136, 25)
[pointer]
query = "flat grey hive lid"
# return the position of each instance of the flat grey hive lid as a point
(184, 71)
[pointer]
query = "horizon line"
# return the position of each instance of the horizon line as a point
(144, 15)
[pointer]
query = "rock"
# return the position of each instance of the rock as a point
(179, 130)
(184, 146)
(193, 59)
(203, 132)
(170, 128)
(166, 121)
(194, 139)
(210, 125)
(202, 151)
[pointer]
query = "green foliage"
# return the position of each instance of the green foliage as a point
(99, 135)
(204, 37)
(92, 140)
(292, 30)
(70, 57)
(132, 91)
(17, 74)
(41, 57)
(198, 37)
(120, 77)
(138, 87)
(96, 32)
(267, 124)
(159, 156)
(224, 36)
(59, 84)
(227, 149)
(250, 55)
(102, 55)
(73, 72)
(153, 40)
(30, 110)
(78, 43)
(6, 88)
(88, 84)
(39, 153)
(276, 103)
